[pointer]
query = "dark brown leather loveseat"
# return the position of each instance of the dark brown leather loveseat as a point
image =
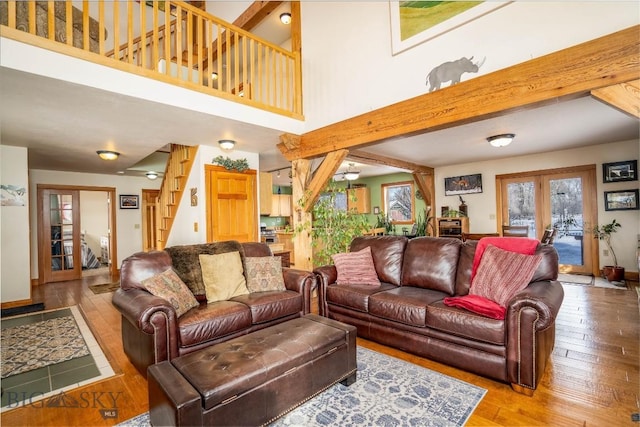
(151, 331)
(407, 311)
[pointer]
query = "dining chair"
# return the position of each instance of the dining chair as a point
(515, 230)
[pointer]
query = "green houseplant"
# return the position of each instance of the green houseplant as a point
(603, 232)
(333, 227)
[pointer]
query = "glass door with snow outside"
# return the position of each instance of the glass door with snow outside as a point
(557, 200)
(568, 210)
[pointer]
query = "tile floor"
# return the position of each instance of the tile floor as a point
(34, 385)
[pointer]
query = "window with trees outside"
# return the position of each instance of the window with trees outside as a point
(397, 199)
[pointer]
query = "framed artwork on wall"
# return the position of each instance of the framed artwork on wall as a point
(129, 201)
(622, 200)
(620, 171)
(415, 22)
(465, 184)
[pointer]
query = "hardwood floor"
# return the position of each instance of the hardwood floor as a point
(592, 378)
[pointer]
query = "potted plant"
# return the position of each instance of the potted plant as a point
(613, 273)
(333, 227)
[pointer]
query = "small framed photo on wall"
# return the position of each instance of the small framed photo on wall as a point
(622, 200)
(620, 171)
(129, 201)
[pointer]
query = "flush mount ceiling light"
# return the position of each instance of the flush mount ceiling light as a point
(226, 144)
(351, 174)
(501, 140)
(151, 175)
(107, 154)
(285, 18)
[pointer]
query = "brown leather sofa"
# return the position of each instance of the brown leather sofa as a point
(407, 311)
(151, 331)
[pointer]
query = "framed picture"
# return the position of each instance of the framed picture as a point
(376, 210)
(621, 200)
(414, 22)
(129, 201)
(620, 171)
(466, 184)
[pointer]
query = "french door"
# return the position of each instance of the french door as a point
(564, 199)
(59, 234)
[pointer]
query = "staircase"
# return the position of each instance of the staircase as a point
(175, 177)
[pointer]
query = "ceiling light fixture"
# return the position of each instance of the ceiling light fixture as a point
(151, 175)
(285, 18)
(214, 76)
(351, 174)
(501, 140)
(227, 144)
(107, 154)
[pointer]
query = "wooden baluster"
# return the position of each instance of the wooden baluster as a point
(130, 32)
(51, 20)
(142, 44)
(116, 31)
(11, 11)
(236, 62)
(154, 37)
(85, 25)
(219, 58)
(190, 42)
(167, 38)
(252, 59)
(209, 49)
(179, 48)
(199, 47)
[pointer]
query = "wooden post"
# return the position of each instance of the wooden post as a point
(300, 176)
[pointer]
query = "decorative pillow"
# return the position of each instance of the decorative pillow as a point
(168, 285)
(501, 274)
(264, 274)
(222, 276)
(356, 268)
(186, 263)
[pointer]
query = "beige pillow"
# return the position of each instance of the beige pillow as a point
(223, 276)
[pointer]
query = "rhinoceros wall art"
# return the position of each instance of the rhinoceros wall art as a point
(451, 71)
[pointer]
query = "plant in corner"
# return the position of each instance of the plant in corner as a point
(613, 273)
(333, 226)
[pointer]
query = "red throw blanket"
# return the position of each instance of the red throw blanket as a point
(521, 245)
(481, 305)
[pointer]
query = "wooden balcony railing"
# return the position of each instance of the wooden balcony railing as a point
(170, 41)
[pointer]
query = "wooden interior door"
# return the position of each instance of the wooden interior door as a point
(232, 212)
(59, 235)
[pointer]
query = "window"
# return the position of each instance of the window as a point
(397, 199)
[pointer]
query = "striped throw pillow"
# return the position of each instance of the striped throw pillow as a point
(356, 268)
(501, 274)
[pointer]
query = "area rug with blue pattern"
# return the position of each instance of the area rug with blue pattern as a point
(388, 392)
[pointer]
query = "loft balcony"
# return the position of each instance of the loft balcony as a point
(181, 45)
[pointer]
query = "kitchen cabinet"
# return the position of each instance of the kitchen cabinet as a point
(280, 205)
(286, 238)
(362, 202)
(266, 190)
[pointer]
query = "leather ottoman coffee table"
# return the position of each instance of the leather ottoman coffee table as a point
(253, 379)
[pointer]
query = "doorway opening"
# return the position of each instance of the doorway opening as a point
(75, 237)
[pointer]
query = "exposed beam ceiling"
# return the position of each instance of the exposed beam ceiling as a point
(377, 159)
(624, 96)
(566, 74)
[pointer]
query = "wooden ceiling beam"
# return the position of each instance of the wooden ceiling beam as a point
(623, 96)
(377, 159)
(568, 73)
(426, 185)
(321, 177)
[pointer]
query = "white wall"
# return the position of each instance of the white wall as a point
(15, 283)
(182, 231)
(482, 206)
(94, 218)
(128, 221)
(348, 68)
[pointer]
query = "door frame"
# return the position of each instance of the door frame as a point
(590, 193)
(113, 240)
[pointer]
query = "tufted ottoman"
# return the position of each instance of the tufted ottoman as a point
(255, 378)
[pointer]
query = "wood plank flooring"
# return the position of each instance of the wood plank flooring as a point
(592, 379)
